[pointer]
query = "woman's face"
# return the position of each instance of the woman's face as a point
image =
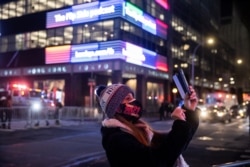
(128, 98)
(130, 108)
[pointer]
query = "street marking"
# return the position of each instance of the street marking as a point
(245, 156)
(221, 149)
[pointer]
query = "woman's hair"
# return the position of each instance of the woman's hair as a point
(138, 132)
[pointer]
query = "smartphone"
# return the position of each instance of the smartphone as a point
(181, 83)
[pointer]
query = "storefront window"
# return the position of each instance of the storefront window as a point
(155, 96)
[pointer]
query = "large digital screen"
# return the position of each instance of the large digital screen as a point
(105, 10)
(106, 51)
(84, 13)
(163, 3)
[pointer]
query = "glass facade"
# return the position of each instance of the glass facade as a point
(112, 29)
(144, 25)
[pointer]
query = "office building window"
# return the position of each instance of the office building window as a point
(84, 33)
(12, 9)
(35, 39)
(68, 35)
(16, 42)
(23, 7)
(3, 44)
(94, 32)
(42, 36)
(138, 3)
(55, 36)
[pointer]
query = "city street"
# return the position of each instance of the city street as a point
(80, 61)
(74, 144)
(214, 144)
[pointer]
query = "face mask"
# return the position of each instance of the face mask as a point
(131, 110)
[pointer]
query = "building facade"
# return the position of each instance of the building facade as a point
(214, 67)
(74, 45)
(209, 66)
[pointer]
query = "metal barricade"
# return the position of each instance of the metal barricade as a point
(27, 117)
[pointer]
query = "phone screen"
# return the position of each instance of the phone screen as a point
(181, 83)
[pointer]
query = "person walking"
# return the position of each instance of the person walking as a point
(41, 112)
(58, 112)
(169, 109)
(162, 111)
(6, 112)
(2, 112)
(129, 141)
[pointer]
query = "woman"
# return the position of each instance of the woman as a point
(131, 142)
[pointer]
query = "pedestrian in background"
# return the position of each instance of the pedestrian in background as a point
(41, 112)
(6, 111)
(129, 141)
(2, 112)
(58, 112)
(162, 111)
(8, 105)
(169, 109)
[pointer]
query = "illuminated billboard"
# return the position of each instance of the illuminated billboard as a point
(96, 11)
(106, 51)
(163, 3)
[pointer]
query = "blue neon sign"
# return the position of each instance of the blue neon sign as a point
(107, 51)
(105, 10)
(113, 50)
(82, 13)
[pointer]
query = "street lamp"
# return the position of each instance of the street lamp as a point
(210, 41)
(239, 61)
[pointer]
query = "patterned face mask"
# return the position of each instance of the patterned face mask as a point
(132, 110)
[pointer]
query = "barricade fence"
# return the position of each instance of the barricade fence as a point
(31, 116)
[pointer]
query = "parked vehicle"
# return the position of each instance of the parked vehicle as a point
(238, 111)
(202, 109)
(215, 113)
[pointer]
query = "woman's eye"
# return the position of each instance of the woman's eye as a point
(127, 98)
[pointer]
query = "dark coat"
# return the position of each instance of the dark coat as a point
(124, 150)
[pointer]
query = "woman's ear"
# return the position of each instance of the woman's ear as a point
(99, 89)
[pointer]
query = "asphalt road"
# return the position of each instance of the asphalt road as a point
(214, 144)
(80, 145)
